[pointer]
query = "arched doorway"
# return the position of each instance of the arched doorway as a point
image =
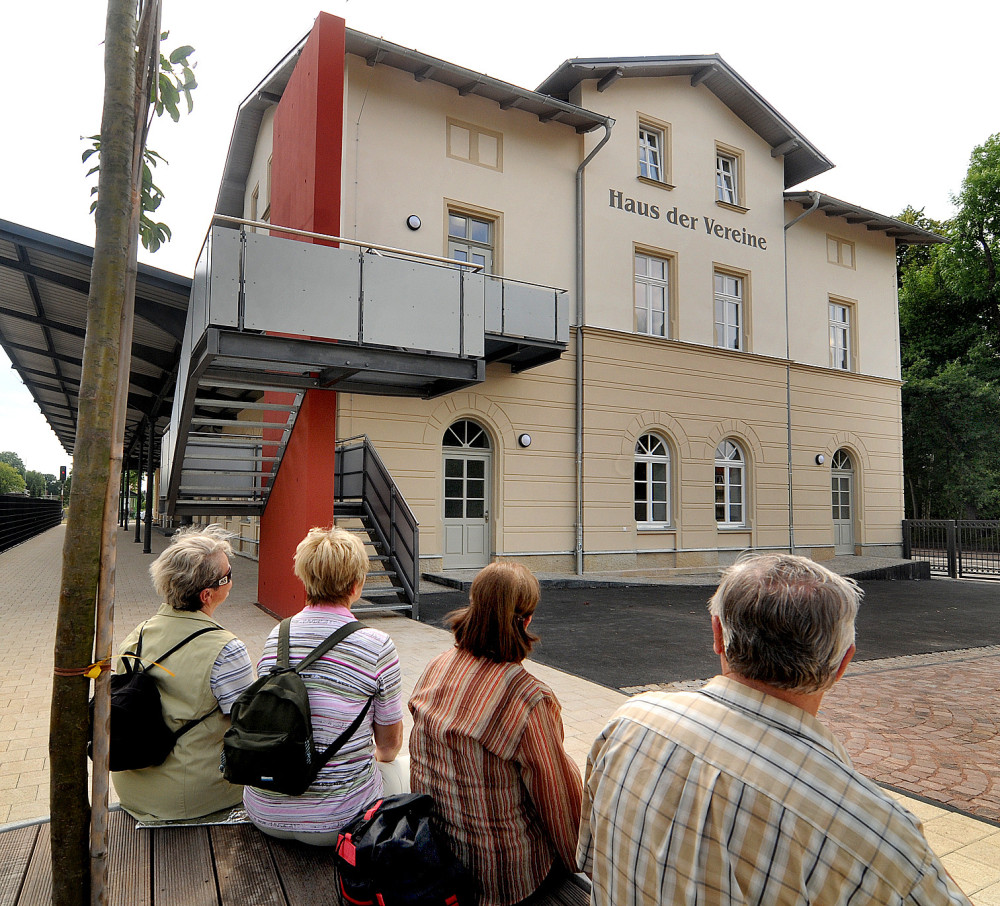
(842, 485)
(468, 466)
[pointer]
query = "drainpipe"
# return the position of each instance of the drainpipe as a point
(580, 309)
(788, 375)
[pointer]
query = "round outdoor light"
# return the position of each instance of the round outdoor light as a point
(524, 440)
(820, 459)
(413, 222)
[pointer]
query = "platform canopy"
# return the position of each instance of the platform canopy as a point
(44, 285)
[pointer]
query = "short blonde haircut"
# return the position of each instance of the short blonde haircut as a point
(188, 565)
(330, 562)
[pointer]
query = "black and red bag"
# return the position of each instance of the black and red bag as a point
(393, 856)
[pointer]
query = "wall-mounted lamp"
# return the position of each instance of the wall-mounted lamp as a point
(820, 459)
(413, 222)
(524, 440)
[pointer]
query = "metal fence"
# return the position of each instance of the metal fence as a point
(22, 517)
(955, 547)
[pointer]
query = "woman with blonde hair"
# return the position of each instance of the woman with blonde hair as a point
(487, 744)
(332, 565)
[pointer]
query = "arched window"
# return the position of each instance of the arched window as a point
(652, 481)
(467, 434)
(730, 484)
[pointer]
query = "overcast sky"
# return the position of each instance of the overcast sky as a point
(895, 95)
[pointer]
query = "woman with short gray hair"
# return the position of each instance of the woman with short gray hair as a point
(200, 682)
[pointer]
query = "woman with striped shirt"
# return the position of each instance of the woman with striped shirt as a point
(332, 565)
(487, 744)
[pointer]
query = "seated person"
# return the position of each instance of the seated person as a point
(332, 565)
(487, 744)
(205, 676)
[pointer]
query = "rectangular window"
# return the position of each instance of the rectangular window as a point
(471, 239)
(654, 151)
(841, 346)
(475, 145)
(729, 181)
(729, 311)
(840, 251)
(652, 295)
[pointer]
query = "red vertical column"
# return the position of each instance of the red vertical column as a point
(306, 164)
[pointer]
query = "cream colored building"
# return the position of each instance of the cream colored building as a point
(732, 374)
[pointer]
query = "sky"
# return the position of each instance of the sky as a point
(896, 96)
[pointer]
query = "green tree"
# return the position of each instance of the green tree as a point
(35, 483)
(51, 485)
(949, 314)
(11, 481)
(12, 459)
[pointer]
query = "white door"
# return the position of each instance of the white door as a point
(466, 519)
(842, 484)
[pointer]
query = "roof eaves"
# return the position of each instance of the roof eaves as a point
(905, 233)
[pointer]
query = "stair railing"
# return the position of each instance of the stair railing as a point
(359, 474)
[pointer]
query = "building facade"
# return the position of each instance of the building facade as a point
(731, 380)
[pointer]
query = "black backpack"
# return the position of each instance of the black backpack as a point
(392, 856)
(139, 736)
(270, 743)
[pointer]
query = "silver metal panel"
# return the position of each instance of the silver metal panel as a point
(236, 460)
(166, 459)
(493, 303)
(300, 288)
(562, 317)
(529, 311)
(224, 277)
(411, 305)
(197, 314)
(474, 309)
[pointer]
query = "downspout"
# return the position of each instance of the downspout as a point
(580, 310)
(788, 376)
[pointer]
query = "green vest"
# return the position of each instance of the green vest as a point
(188, 784)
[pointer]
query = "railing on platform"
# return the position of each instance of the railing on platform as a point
(360, 475)
(21, 518)
(955, 547)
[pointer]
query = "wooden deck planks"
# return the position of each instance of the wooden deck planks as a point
(16, 847)
(245, 871)
(182, 867)
(308, 873)
(37, 890)
(129, 862)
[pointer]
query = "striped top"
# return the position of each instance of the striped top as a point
(232, 672)
(363, 665)
(730, 796)
(487, 744)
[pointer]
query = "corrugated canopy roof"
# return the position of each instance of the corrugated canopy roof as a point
(44, 284)
(802, 159)
(905, 233)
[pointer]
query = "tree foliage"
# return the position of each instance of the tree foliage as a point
(11, 481)
(12, 459)
(35, 482)
(949, 334)
(175, 82)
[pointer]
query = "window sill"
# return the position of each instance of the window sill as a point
(739, 209)
(733, 529)
(659, 184)
(651, 528)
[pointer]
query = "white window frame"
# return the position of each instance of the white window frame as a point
(727, 177)
(731, 468)
(730, 310)
(651, 152)
(466, 247)
(646, 288)
(651, 451)
(841, 335)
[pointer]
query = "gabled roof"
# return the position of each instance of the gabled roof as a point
(905, 233)
(378, 51)
(44, 284)
(803, 160)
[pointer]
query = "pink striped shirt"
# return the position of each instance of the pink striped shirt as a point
(487, 744)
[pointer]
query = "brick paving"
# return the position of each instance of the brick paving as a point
(923, 724)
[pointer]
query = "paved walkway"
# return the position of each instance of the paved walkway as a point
(880, 709)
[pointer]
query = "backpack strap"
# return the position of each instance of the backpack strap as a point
(324, 646)
(191, 724)
(336, 745)
(180, 644)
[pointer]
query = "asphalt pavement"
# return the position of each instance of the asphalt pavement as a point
(631, 636)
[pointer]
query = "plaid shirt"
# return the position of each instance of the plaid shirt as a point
(487, 744)
(730, 796)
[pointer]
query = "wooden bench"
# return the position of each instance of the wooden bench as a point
(222, 865)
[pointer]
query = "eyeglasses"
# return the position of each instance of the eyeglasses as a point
(225, 580)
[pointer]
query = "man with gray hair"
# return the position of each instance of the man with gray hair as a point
(736, 793)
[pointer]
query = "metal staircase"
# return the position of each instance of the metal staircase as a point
(367, 501)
